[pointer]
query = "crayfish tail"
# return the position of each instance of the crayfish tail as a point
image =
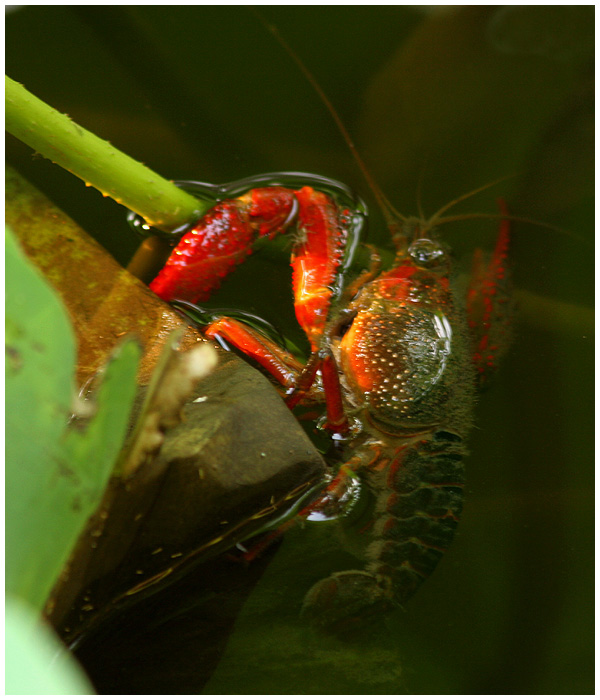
(346, 601)
(416, 516)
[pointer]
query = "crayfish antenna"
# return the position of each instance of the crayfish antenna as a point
(398, 224)
(511, 217)
(436, 219)
(393, 218)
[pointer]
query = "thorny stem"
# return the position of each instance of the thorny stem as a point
(97, 162)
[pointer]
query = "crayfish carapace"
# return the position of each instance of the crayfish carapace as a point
(394, 355)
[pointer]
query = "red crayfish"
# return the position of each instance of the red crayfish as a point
(394, 356)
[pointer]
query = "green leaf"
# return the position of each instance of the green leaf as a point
(37, 662)
(55, 475)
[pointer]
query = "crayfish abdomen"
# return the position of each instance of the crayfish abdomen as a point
(418, 496)
(421, 512)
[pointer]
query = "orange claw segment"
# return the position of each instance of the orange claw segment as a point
(280, 364)
(220, 241)
(271, 209)
(315, 260)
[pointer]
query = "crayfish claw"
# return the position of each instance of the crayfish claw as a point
(345, 601)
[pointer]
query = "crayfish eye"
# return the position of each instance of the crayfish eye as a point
(427, 253)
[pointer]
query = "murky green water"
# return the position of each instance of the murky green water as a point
(453, 100)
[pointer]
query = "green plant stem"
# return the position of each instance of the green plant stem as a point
(97, 162)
